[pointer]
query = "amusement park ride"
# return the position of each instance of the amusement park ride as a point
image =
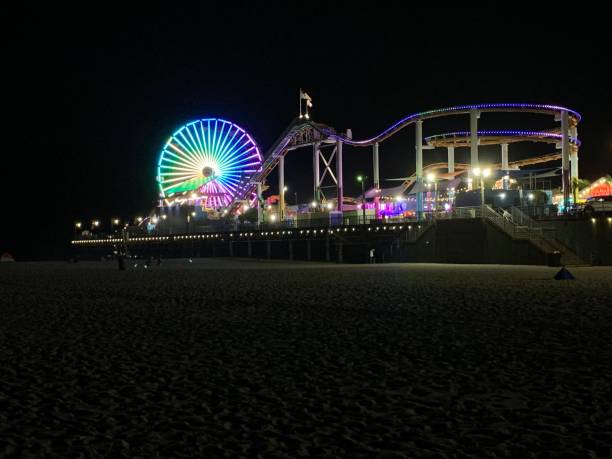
(215, 167)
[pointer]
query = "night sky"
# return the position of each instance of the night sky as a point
(93, 95)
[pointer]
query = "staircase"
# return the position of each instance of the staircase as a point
(519, 225)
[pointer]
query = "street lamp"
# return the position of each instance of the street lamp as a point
(482, 174)
(530, 196)
(362, 179)
(431, 178)
(114, 222)
(281, 212)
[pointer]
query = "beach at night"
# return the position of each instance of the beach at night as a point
(244, 358)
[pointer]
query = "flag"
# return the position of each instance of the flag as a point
(303, 95)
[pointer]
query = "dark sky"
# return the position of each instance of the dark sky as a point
(92, 96)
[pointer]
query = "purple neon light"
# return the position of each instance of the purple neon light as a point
(526, 134)
(449, 110)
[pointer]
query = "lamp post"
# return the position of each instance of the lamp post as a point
(482, 174)
(95, 225)
(530, 196)
(281, 212)
(362, 179)
(431, 178)
(163, 225)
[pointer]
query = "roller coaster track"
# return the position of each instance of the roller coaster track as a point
(460, 110)
(306, 132)
(462, 139)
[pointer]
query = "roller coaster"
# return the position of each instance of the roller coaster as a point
(303, 132)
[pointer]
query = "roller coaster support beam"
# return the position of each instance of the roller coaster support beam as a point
(259, 205)
(419, 166)
(451, 159)
(376, 179)
(574, 153)
(504, 157)
(474, 115)
(339, 174)
(504, 166)
(376, 172)
(281, 188)
(565, 158)
(574, 163)
(315, 165)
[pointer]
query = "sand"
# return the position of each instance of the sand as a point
(271, 359)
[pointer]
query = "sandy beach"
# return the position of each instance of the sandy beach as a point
(243, 358)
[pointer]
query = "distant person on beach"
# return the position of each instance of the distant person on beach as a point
(372, 256)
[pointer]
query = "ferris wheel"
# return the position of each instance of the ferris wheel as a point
(205, 162)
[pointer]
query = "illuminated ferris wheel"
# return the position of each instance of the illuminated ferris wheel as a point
(205, 162)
